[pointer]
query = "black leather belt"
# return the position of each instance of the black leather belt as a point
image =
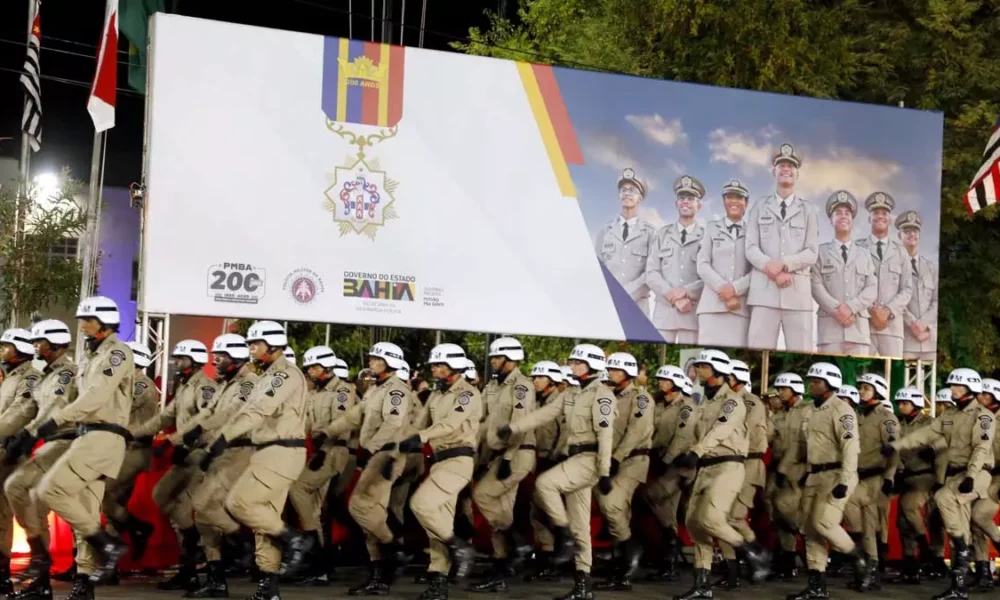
(927, 471)
(870, 472)
(823, 467)
(69, 435)
(240, 443)
(710, 461)
(282, 443)
(454, 453)
(638, 452)
(146, 440)
(995, 470)
(84, 428)
(756, 455)
(575, 449)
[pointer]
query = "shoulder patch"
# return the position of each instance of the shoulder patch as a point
(65, 376)
(207, 392)
(750, 404)
(890, 426)
(603, 423)
(269, 393)
(848, 436)
(642, 402)
(246, 388)
(396, 398)
(685, 413)
(847, 422)
(605, 409)
(604, 400)
(464, 398)
(985, 422)
(342, 397)
(108, 372)
(520, 392)
(729, 406)
(277, 381)
(31, 380)
(281, 374)
(139, 388)
(60, 391)
(116, 358)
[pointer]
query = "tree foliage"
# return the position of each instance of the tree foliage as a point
(33, 278)
(940, 55)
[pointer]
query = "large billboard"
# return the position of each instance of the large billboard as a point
(301, 177)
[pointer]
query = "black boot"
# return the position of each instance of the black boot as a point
(788, 569)
(39, 589)
(186, 579)
(139, 533)
(867, 579)
(297, 546)
(565, 546)
(83, 588)
(631, 555)
(437, 587)
(109, 549)
(959, 589)
(815, 589)
(41, 561)
(394, 558)
(316, 571)
(984, 576)
(517, 549)
(463, 557)
(215, 583)
(909, 571)
(702, 588)
(376, 584)
(267, 588)
(758, 560)
(496, 580)
(731, 579)
(668, 571)
(883, 551)
(960, 556)
(626, 563)
(543, 570)
(583, 588)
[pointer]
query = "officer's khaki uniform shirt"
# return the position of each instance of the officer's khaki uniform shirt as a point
(792, 440)
(833, 438)
(190, 397)
(508, 401)
(230, 398)
(918, 473)
(56, 389)
(17, 404)
(895, 281)
(547, 436)
(968, 433)
(626, 259)
(633, 429)
(835, 282)
(276, 409)
(721, 428)
(145, 402)
(327, 404)
(794, 239)
(450, 419)
(878, 427)
(923, 306)
(722, 260)
(389, 411)
(675, 265)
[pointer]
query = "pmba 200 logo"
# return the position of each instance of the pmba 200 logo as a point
(303, 285)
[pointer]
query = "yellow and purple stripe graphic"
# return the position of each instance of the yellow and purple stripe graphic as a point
(362, 82)
(553, 122)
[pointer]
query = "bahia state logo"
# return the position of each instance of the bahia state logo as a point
(303, 285)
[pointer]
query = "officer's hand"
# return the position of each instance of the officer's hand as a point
(887, 487)
(688, 460)
(411, 444)
(774, 267)
(966, 486)
(504, 432)
(503, 469)
(604, 485)
(901, 486)
(362, 459)
(927, 454)
(839, 491)
(780, 480)
(180, 455)
(25, 442)
(218, 446)
(734, 303)
(47, 428)
(319, 439)
(160, 450)
(726, 292)
(479, 472)
(615, 465)
(887, 450)
(192, 435)
(317, 460)
(386, 469)
(206, 462)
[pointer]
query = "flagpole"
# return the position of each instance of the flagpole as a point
(24, 168)
(88, 250)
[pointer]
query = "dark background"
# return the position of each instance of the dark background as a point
(71, 30)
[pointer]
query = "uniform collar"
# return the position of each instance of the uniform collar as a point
(56, 364)
(632, 222)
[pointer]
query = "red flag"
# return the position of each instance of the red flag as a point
(101, 104)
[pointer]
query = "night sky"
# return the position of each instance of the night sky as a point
(72, 28)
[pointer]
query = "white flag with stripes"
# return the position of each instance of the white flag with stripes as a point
(985, 186)
(31, 121)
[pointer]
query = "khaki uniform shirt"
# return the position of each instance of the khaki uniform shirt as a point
(106, 387)
(327, 405)
(450, 419)
(634, 422)
(506, 402)
(230, 398)
(56, 389)
(721, 428)
(547, 436)
(878, 427)
(792, 440)
(145, 400)
(190, 397)
(968, 434)
(832, 437)
(917, 472)
(275, 410)
(17, 402)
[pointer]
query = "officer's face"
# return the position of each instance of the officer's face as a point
(704, 372)
(617, 376)
(910, 237)
(580, 368)
(90, 326)
(774, 402)
(735, 205)
(183, 363)
(817, 386)
(440, 371)
(866, 391)
(496, 362)
(315, 371)
(665, 385)
(687, 204)
(785, 173)
(629, 195)
(958, 391)
(540, 383)
(842, 219)
(41, 347)
(985, 399)
(785, 394)
(880, 221)
(906, 408)
(221, 361)
(7, 352)
(377, 365)
(258, 350)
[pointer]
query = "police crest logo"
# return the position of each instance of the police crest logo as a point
(139, 388)
(729, 406)
(245, 389)
(520, 392)
(277, 382)
(117, 358)
(985, 422)
(847, 422)
(207, 392)
(342, 397)
(685, 413)
(642, 403)
(395, 398)
(303, 285)
(65, 377)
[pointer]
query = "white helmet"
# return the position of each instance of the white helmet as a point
(55, 332)
(687, 386)
(101, 308)
(912, 395)
(269, 332)
(508, 348)
(717, 358)
(590, 354)
(141, 355)
(289, 354)
(966, 377)
(830, 373)
(992, 386)
(604, 377)
(232, 344)
(20, 339)
(944, 396)
(849, 393)
(390, 353)
(790, 380)
(319, 355)
(878, 382)
(741, 371)
(340, 369)
(470, 370)
(449, 354)
(192, 349)
(547, 368)
(674, 374)
(623, 361)
(403, 372)
(568, 376)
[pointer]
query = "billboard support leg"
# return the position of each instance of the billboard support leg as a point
(765, 367)
(164, 366)
(326, 336)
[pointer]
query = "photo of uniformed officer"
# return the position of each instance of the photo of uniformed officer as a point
(843, 284)
(920, 315)
(782, 242)
(723, 315)
(895, 281)
(672, 270)
(624, 244)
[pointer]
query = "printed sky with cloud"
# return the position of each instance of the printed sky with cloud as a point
(666, 129)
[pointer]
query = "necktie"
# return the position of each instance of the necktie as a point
(782, 210)
(625, 231)
(732, 227)
(843, 252)
(913, 261)
(878, 247)
(684, 236)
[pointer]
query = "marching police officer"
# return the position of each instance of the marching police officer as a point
(920, 315)
(589, 415)
(843, 284)
(547, 377)
(633, 435)
(74, 487)
(985, 508)
(274, 415)
(968, 432)
(782, 244)
(672, 271)
(895, 278)
(832, 452)
(723, 314)
(913, 484)
(624, 244)
(793, 466)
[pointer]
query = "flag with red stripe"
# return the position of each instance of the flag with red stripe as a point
(985, 186)
(31, 79)
(101, 104)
